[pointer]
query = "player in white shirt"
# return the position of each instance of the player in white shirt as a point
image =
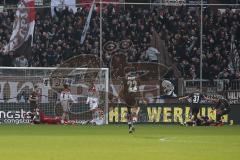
(92, 100)
(98, 117)
(66, 99)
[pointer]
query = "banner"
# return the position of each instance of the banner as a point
(233, 97)
(17, 113)
(57, 4)
(61, 4)
(153, 113)
(167, 113)
(87, 23)
(87, 4)
(196, 1)
(71, 5)
(38, 2)
(23, 26)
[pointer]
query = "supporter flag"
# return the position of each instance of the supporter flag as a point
(87, 23)
(57, 4)
(234, 54)
(71, 5)
(23, 26)
(61, 4)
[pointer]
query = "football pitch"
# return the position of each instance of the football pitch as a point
(112, 142)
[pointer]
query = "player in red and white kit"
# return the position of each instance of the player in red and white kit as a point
(98, 117)
(92, 100)
(66, 99)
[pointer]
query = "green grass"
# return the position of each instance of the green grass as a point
(112, 142)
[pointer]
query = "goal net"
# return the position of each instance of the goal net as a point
(17, 85)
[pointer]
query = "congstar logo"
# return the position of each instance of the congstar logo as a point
(20, 114)
(16, 117)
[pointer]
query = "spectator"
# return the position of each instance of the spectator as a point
(21, 61)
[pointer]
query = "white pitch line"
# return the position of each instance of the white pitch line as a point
(167, 139)
(189, 141)
(163, 139)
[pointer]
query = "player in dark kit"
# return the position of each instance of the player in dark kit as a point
(128, 93)
(196, 98)
(203, 121)
(33, 100)
(222, 108)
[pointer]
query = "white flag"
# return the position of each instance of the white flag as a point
(62, 4)
(71, 5)
(87, 23)
(57, 4)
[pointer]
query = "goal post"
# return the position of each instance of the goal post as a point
(17, 84)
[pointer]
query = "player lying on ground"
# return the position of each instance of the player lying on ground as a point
(222, 108)
(98, 118)
(203, 121)
(40, 118)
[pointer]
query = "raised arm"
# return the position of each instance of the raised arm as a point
(185, 97)
(211, 99)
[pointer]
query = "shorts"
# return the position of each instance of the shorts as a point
(33, 106)
(65, 106)
(93, 107)
(130, 100)
(195, 109)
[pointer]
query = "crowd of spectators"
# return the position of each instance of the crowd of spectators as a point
(57, 38)
(221, 43)
(183, 41)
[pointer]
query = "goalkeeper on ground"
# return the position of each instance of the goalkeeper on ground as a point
(40, 118)
(66, 99)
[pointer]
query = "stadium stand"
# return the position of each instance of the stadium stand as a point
(57, 38)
